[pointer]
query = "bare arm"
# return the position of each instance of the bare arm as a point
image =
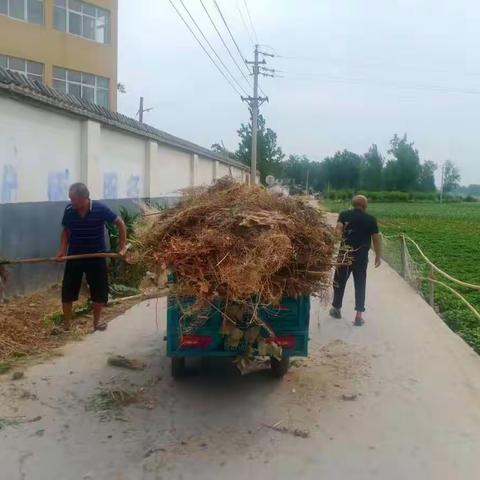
(339, 230)
(64, 238)
(377, 246)
(122, 235)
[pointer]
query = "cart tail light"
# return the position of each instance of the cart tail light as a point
(281, 308)
(195, 341)
(286, 341)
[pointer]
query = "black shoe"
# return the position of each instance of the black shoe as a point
(359, 322)
(335, 312)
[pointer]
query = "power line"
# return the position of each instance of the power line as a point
(250, 18)
(231, 35)
(224, 43)
(211, 47)
(204, 49)
(245, 24)
(404, 86)
(235, 42)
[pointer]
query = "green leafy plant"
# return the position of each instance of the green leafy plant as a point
(56, 318)
(120, 272)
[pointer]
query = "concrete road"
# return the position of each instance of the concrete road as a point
(396, 399)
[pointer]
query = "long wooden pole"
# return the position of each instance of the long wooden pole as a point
(59, 259)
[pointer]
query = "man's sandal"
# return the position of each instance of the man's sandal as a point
(101, 327)
(359, 322)
(335, 312)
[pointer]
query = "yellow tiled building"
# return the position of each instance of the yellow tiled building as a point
(70, 45)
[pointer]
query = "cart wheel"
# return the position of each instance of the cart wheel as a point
(280, 367)
(178, 367)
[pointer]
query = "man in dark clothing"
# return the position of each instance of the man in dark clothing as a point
(357, 229)
(84, 232)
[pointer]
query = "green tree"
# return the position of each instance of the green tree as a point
(390, 175)
(269, 154)
(407, 164)
(295, 170)
(222, 150)
(343, 170)
(451, 177)
(372, 170)
(426, 181)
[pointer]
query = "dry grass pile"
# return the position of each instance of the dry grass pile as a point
(239, 242)
(24, 328)
(27, 324)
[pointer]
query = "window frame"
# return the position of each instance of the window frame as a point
(83, 85)
(71, 11)
(25, 71)
(25, 18)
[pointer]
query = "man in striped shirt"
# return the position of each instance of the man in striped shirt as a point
(84, 232)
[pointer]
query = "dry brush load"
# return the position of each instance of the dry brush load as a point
(239, 243)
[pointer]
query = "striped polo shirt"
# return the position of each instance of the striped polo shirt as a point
(87, 235)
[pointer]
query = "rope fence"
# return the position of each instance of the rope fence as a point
(398, 255)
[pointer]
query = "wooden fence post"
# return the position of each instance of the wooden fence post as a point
(431, 288)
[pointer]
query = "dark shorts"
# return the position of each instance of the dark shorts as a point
(95, 270)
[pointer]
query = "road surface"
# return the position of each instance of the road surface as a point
(396, 399)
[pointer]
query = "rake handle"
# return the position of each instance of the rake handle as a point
(60, 259)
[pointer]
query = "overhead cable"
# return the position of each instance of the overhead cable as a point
(224, 43)
(211, 47)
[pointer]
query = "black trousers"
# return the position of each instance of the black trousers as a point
(95, 270)
(342, 274)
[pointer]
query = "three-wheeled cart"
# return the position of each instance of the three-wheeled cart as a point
(289, 322)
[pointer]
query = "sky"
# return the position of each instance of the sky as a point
(354, 72)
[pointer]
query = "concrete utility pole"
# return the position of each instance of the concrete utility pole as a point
(254, 103)
(142, 110)
(442, 183)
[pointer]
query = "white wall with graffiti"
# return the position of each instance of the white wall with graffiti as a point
(122, 165)
(39, 153)
(43, 151)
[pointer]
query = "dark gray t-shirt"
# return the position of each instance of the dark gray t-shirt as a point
(359, 226)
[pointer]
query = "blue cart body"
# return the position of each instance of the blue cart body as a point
(289, 321)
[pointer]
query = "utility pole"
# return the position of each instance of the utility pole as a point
(142, 110)
(255, 108)
(442, 182)
(254, 103)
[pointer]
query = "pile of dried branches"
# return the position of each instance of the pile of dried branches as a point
(239, 242)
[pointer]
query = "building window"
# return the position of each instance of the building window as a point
(84, 19)
(83, 85)
(32, 70)
(25, 10)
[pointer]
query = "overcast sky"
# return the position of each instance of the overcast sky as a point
(356, 72)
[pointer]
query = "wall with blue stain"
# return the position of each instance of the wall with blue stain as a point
(133, 186)
(9, 184)
(123, 155)
(58, 183)
(40, 152)
(43, 151)
(110, 185)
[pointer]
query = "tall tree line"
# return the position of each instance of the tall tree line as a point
(401, 169)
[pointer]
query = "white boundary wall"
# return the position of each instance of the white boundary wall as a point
(43, 151)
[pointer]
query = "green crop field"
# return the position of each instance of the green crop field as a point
(449, 234)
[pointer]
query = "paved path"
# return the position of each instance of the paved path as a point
(396, 399)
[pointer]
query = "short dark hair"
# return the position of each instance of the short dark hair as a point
(360, 201)
(79, 189)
